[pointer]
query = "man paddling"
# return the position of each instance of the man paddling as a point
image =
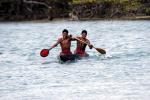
(65, 43)
(81, 46)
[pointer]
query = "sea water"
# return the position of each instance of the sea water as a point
(122, 74)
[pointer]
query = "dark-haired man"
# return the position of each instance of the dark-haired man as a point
(65, 43)
(80, 50)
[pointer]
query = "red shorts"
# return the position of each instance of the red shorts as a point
(66, 52)
(80, 53)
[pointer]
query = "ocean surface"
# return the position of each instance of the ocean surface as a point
(122, 74)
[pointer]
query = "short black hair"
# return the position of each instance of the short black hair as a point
(84, 31)
(65, 30)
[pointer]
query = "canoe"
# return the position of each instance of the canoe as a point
(68, 58)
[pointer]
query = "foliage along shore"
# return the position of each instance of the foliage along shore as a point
(20, 10)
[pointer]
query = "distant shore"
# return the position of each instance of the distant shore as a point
(121, 18)
(36, 10)
(85, 19)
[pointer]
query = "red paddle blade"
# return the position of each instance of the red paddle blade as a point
(44, 53)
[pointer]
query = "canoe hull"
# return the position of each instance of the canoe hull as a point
(68, 58)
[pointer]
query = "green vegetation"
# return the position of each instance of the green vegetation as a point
(112, 8)
(43, 9)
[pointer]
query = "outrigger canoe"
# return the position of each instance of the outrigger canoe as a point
(68, 58)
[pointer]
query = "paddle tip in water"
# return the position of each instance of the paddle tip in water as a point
(44, 53)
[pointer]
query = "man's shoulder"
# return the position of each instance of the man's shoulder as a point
(60, 39)
(79, 37)
(87, 39)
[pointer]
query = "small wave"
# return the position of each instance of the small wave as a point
(49, 62)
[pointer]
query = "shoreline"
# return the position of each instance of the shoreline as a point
(135, 18)
(121, 18)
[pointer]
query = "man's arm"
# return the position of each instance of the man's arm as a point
(90, 46)
(72, 38)
(55, 44)
(76, 39)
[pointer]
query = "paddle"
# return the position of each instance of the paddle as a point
(45, 52)
(100, 50)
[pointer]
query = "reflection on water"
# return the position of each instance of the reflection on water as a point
(122, 74)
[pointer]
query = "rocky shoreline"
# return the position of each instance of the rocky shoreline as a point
(83, 19)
